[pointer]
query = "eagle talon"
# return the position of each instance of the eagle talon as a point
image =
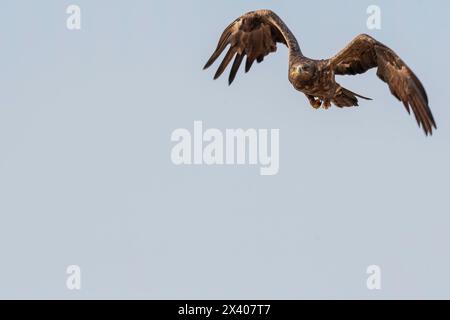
(326, 105)
(316, 104)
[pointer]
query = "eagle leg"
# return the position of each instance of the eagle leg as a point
(315, 103)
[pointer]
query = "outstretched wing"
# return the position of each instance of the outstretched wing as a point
(254, 35)
(364, 53)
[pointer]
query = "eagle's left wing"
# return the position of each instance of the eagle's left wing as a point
(255, 35)
(364, 53)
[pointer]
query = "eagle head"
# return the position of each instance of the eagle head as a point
(303, 71)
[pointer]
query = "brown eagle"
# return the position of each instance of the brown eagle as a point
(256, 34)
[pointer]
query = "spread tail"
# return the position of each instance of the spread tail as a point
(347, 98)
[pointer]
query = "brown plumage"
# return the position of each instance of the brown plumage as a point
(256, 34)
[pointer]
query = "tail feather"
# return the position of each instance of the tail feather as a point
(347, 98)
(358, 95)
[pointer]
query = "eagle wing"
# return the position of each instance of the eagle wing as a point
(365, 53)
(255, 35)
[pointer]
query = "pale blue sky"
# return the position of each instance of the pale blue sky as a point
(86, 176)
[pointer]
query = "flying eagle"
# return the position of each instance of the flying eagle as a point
(256, 34)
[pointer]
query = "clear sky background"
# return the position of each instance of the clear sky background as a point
(86, 176)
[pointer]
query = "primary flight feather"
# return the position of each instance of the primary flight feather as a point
(256, 34)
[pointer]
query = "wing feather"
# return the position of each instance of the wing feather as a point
(234, 69)
(230, 54)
